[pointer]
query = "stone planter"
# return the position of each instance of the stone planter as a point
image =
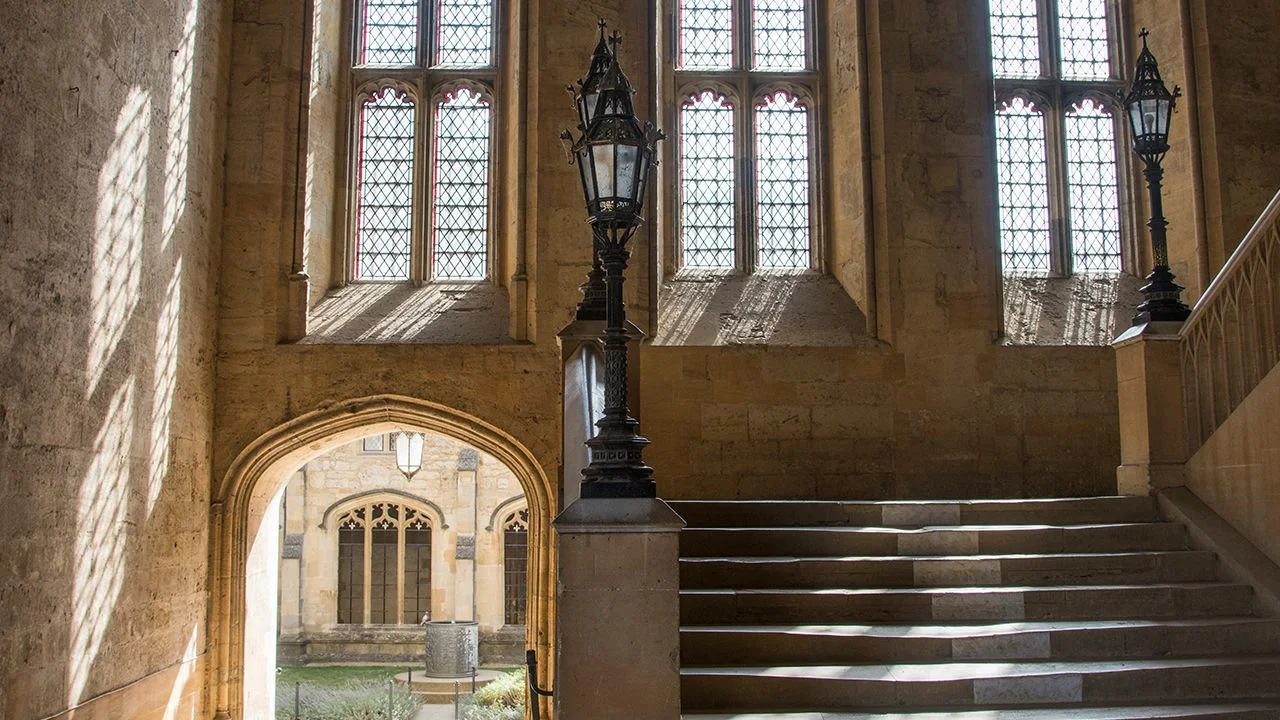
(452, 648)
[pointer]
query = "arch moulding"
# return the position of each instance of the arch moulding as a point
(258, 473)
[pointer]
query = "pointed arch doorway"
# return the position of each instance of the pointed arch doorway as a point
(245, 553)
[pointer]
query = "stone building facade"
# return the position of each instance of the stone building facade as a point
(180, 336)
(469, 562)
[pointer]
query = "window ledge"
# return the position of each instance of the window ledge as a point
(399, 313)
(1085, 309)
(774, 307)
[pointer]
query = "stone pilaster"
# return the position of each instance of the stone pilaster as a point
(618, 608)
(1153, 425)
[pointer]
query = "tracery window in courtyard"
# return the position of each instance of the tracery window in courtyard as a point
(1059, 166)
(515, 561)
(745, 75)
(384, 564)
(423, 72)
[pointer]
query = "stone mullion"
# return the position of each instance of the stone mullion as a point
(400, 549)
(368, 564)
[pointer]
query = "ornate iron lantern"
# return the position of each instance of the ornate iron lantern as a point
(615, 156)
(1150, 110)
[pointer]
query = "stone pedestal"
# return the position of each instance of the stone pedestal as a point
(618, 611)
(1153, 425)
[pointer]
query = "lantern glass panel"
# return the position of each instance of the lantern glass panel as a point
(627, 160)
(409, 452)
(588, 185)
(605, 160)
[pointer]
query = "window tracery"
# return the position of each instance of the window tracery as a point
(384, 564)
(1059, 162)
(745, 75)
(424, 70)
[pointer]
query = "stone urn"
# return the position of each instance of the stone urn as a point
(452, 648)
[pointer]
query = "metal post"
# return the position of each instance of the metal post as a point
(617, 468)
(1161, 293)
(391, 699)
(297, 700)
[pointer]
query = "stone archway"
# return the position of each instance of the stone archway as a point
(261, 470)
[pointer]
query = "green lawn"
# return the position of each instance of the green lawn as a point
(336, 675)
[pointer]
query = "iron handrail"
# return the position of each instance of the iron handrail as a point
(531, 660)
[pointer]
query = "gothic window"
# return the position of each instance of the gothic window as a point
(515, 561)
(421, 206)
(746, 134)
(1059, 164)
(384, 564)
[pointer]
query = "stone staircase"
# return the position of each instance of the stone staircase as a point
(1073, 608)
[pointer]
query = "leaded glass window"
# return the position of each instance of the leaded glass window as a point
(746, 134)
(1059, 168)
(515, 562)
(423, 71)
(384, 564)
(707, 183)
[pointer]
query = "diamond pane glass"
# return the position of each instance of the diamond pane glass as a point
(384, 205)
(1015, 38)
(778, 37)
(1093, 188)
(707, 182)
(782, 182)
(460, 218)
(464, 34)
(706, 35)
(1023, 186)
(390, 32)
(1082, 34)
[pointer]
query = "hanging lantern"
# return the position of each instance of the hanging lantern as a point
(409, 453)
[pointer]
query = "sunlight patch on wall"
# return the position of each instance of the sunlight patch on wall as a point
(179, 692)
(101, 533)
(165, 382)
(118, 230)
(181, 74)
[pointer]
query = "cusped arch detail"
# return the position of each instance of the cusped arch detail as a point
(363, 498)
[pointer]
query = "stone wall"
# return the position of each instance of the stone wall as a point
(1235, 472)
(110, 197)
(317, 495)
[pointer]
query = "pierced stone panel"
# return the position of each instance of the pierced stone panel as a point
(1084, 39)
(1093, 188)
(706, 35)
(389, 32)
(1023, 185)
(779, 40)
(1015, 38)
(384, 206)
(464, 33)
(707, 186)
(782, 182)
(460, 211)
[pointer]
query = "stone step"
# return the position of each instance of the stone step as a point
(957, 540)
(934, 571)
(1005, 604)
(816, 513)
(990, 685)
(1043, 640)
(1163, 712)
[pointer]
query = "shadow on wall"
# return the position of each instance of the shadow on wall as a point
(1078, 310)
(775, 307)
(106, 393)
(380, 313)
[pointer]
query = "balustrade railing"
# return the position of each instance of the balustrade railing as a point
(1230, 342)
